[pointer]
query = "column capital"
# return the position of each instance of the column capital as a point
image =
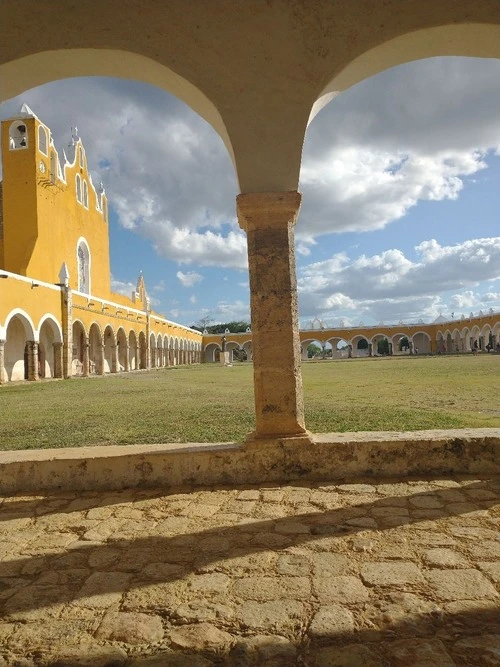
(267, 209)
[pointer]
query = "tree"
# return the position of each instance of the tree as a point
(383, 346)
(313, 350)
(404, 343)
(233, 327)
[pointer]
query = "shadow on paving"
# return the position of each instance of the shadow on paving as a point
(180, 555)
(470, 638)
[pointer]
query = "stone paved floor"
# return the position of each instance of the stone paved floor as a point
(367, 574)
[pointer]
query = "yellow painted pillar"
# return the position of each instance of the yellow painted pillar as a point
(269, 220)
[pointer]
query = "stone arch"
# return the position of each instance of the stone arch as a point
(212, 352)
(143, 351)
(358, 346)
(396, 341)
(18, 135)
(109, 342)
(49, 347)
(323, 345)
(340, 347)
(233, 347)
(376, 344)
(78, 352)
(152, 350)
(421, 342)
(41, 66)
(19, 332)
(133, 356)
(96, 350)
(159, 348)
(247, 349)
(480, 40)
(122, 350)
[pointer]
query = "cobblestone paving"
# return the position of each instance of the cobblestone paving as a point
(396, 573)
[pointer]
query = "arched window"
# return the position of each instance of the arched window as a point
(83, 256)
(85, 194)
(42, 140)
(18, 135)
(78, 188)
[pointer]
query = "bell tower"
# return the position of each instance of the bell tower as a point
(24, 150)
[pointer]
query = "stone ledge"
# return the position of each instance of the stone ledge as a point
(324, 456)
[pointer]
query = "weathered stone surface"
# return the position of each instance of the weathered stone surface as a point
(89, 656)
(272, 650)
(460, 585)
(492, 570)
(103, 589)
(210, 584)
(419, 653)
(330, 564)
(340, 589)
(272, 588)
(200, 637)
(390, 574)
(276, 615)
(354, 655)
(330, 621)
(131, 628)
(444, 558)
(484, 650)
(294, 565)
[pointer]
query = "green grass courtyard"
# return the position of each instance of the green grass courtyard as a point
(209, 403)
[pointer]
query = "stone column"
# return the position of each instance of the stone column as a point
(86, 357)
(370, 349)
(58, 360)
(100, 359)
(126, 366)
(115, 364)
(3, 372)
(67, 329)
(33, 360)
(269, 219)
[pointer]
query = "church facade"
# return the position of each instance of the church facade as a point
(58, 314)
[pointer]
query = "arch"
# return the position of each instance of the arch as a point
(18, 136)
(322, 345)
(479, 40)
(421, 342)
(83, 262)
(19, 330)
(340, 347)
(96, 349)
(143, 351)
(159, 348)
(42, 140)
(85, 196)
(381, 345)
(133, 357)
(78, 187)
(398, 342)
(58, 336)
(109, 342)
(212, 352)
(360, 346)
(152, 350)
(79, 341)
(122, 350)
(233, 348)
(40, 67)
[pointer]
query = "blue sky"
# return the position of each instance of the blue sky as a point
(400, 195)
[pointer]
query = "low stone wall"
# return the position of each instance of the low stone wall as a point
(320, 457)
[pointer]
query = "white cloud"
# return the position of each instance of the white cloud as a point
(389, 286)
(122, 287)
(193, 299)
(189, 279)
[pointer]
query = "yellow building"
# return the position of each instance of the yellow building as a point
(58, 315)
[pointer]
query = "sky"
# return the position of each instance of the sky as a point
(401, 195)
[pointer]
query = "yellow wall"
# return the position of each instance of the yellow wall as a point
(43, 220)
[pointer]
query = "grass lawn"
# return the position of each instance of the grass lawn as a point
(210, 403)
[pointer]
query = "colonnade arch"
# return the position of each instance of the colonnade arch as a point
(19, 338)
(49, 348)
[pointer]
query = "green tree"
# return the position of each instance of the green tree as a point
(383, 346)
(313, 350)
(404, 343)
